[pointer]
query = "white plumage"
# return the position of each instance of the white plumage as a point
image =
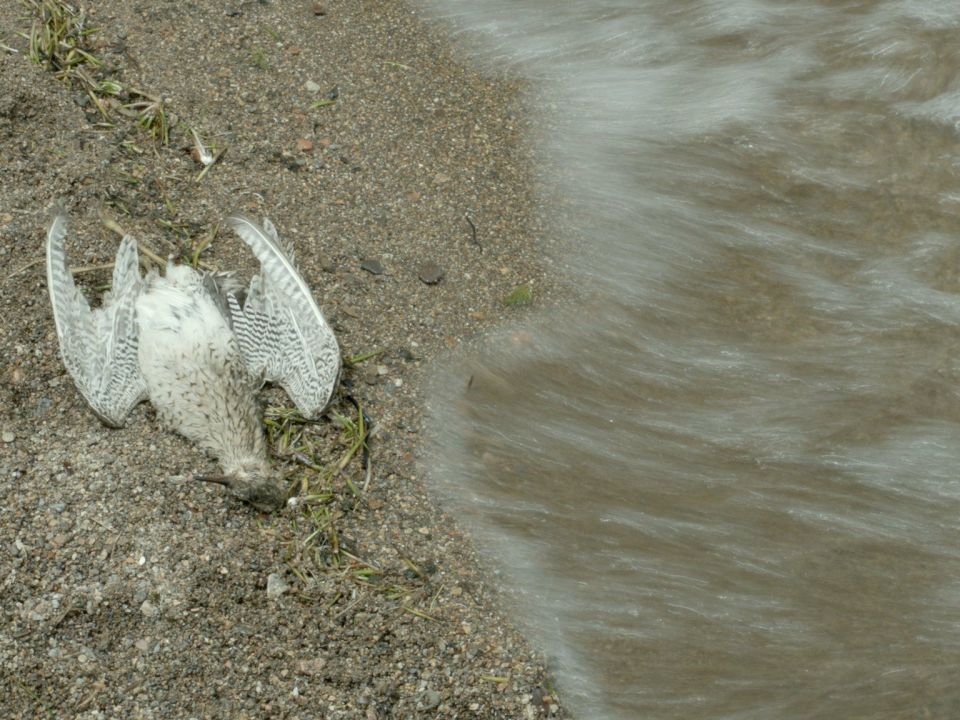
(187, 342)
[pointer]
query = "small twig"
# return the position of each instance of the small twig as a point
(76, 271)
(216, 159)
(366, 482)
(354, 360)
(151, 254)
(91, 268)
(23, 269)
(418, 613)
(115, 226)
(347, 609)
(473, 231)
(141, 246)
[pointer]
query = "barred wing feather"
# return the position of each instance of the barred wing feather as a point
(282, 334)
(99, 347)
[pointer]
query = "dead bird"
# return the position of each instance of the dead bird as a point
(199, 346)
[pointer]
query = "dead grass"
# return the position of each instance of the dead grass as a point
(60, 41)
(330, 466)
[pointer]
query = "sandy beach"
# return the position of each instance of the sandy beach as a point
(402, 178)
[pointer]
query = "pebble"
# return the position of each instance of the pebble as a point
(430, 273)
(276, 586)
(312, 666)
(374, 267)
(148, 609)
(43, 406)
(311, 86)
(430, 699)
(8, 437)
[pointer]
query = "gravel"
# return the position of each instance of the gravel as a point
(129, 592)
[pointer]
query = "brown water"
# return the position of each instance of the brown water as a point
(726, 484)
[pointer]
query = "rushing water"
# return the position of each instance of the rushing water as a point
(726, 483)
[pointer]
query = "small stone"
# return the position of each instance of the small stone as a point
(43, 407)
(311, 86)
(8, 436)
(304, 145)
(148, 609)
(440, 178)
(430, 273)
(372, 266)
(312, 666)
(276, 586)
(326, 263)
(143, 644)
(430, 699)
(319, 9)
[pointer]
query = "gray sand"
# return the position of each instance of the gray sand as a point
(129, 593)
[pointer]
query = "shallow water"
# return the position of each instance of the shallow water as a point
(724, 484)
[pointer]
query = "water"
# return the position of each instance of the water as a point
(725, 483)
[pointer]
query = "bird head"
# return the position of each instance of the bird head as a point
(253, 486)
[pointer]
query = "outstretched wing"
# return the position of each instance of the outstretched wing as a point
(99, 347)
(283, 336)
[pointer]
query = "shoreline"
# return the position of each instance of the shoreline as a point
(369, 144)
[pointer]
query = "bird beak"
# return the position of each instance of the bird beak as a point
(218, 479)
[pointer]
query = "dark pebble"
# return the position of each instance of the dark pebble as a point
(430, 273)
(372, 266)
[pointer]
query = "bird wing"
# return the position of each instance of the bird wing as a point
(99, 347)
(282, 334)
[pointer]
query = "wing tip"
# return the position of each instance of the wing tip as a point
(241, 219)
(58, 207)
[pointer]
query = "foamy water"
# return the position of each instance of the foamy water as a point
(725, 484)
